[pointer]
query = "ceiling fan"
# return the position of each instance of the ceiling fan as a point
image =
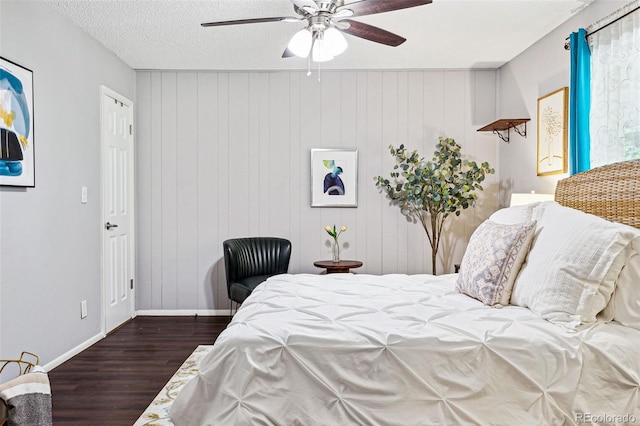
(326, 20)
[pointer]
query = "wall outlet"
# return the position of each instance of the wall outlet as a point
(83, 309)
(83, 195)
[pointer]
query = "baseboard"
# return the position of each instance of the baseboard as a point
(185, 312)
(73, 352)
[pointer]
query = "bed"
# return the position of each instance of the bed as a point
(541, 326)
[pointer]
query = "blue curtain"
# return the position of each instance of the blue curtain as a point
(579, 103)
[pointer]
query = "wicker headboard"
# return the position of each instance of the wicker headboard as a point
(611, 192)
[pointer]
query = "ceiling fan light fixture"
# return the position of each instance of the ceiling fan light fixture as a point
(321, 51)
(300, 43)
(335, 41)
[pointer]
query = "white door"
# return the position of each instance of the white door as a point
(117, 183)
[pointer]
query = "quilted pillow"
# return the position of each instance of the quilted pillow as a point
(492, 260)
(27, 399)
(572, 266)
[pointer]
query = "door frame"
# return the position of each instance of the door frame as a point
(106, 91)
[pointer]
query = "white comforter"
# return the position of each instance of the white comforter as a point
(406, 350)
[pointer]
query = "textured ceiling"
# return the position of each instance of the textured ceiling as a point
(166, 34)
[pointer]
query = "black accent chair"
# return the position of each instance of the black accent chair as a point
(250, 261)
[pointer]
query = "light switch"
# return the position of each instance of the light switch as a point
(84, 195)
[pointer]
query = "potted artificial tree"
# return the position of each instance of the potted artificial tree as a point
(430, 191)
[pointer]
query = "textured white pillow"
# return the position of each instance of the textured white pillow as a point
(571, 268)
(626, 299)
(492, 260)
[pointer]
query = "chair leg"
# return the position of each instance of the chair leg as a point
(231, 311)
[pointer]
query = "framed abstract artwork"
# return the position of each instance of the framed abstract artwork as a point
(552, 132)
(334, 178)
(16, 125)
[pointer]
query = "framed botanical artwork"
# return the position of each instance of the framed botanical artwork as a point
(552, 132)
(16, 125)
(334, 178)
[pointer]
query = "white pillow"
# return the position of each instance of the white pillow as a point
(492, 260)
(574, 261)
(514, 215)
(626, 299)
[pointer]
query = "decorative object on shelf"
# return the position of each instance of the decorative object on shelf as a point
(430, 191)
(335, 247)
(499, 127)
(334, 178)
(552, 132)
(16, 125)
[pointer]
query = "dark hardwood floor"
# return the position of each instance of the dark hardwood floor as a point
(113, 381)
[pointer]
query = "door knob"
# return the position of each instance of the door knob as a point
(110, 225)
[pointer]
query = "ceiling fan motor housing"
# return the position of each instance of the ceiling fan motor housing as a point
(329, 6)
(320, 22)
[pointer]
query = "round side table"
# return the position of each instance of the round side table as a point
(342, 266)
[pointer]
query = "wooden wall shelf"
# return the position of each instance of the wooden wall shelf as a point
(499, 127)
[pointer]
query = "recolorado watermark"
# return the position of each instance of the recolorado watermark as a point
(605, 418)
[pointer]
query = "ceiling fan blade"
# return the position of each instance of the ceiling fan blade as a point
(369, 32)
(287, 53)
(305, 4)
(369, 7)
(249, 21)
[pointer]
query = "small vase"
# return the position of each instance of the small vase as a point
(335, 252)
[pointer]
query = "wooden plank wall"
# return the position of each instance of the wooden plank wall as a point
(226, 154)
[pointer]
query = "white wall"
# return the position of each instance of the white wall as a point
(50, 246)
(541, 69)
(226, 154)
